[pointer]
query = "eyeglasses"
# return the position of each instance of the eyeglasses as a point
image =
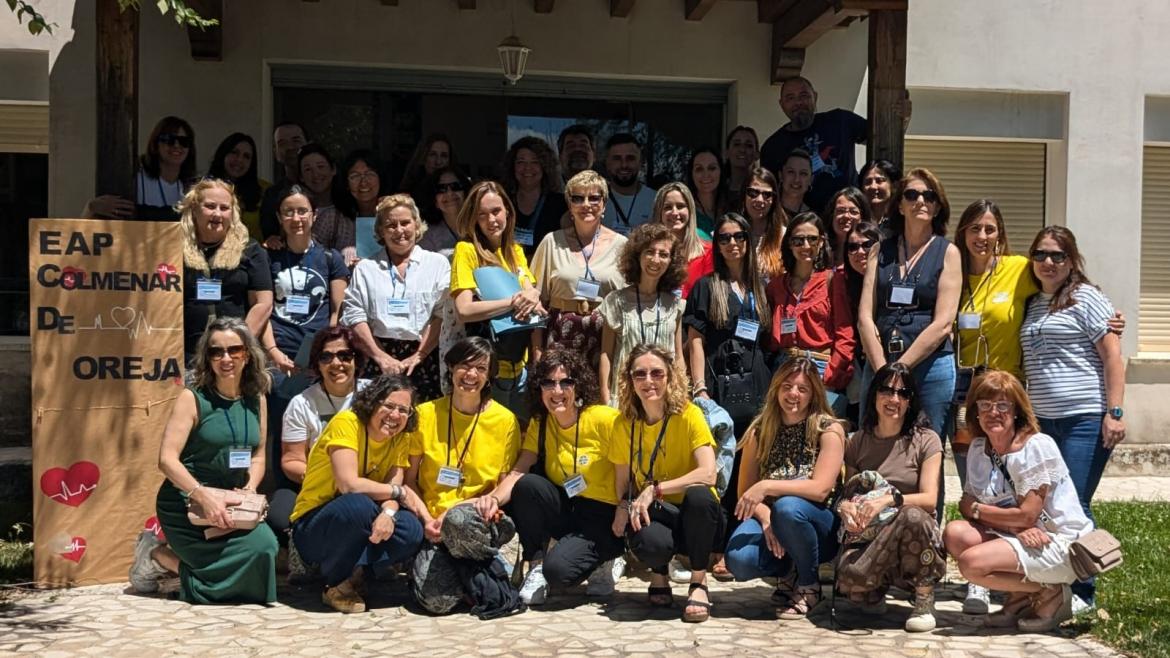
(579, 199)
(443, 188)
(234, 351)
(171, 139)
(846, 211)
(345, 356)
(554, 384)
(289, 213)
(1000, 407)
(655, 373)
(396, 408)
(754, 192)
(1057, 257)
(929, 196)
(802, 240)
(738, 236)
(859, 246)
(360, 176)
(903, 393)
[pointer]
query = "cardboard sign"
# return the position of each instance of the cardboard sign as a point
(106, 298)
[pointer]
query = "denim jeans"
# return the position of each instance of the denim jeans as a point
(805, 530)
(1080, 442)
(837, 399)
(337, 536)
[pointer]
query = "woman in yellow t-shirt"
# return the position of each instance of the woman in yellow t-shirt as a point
(487, 223)
(562, 486)
(667, 476)
(464, 445)
(353, 511)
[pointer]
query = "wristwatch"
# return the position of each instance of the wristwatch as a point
(899, 499)
(1116, 413)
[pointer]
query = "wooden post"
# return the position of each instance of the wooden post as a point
(117, 99)
(887, 84)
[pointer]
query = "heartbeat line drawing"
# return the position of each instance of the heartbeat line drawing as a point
(128, 319)
(68, 494)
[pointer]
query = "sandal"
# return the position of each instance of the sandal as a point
(705, 606)
(719, 572)
(805, 599)
(660, 597)
(785, 589)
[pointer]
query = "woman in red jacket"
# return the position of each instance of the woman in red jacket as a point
(811, 314)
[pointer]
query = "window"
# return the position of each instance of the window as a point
(1154, 305)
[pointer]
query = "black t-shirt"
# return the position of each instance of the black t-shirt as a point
(251, 274)
(546, 222)
(269, 207)
(697, 315)
(830, 141)
(304, 275)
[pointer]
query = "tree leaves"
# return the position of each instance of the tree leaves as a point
(183, 15)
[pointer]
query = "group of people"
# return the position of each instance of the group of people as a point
(684, 372)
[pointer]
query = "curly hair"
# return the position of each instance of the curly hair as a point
(586, 390)
(367, 400)
(227, 257)
(630, 258)
(550, 176)
(330, 334)
(254, 380)
(388, 204)
(677, 384)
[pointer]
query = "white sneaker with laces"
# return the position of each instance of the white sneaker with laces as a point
(604, 578)
(534, 591)
(978, 600)
(678, 573)
(145, 571)
(921, 619)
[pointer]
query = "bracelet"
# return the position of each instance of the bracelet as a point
(699, 389)
(187, 494)
(657, 490)
(498, 503)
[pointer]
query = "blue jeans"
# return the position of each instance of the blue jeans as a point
(805, 530)
(337, 536)
(1080, 442)
(935, 376)
(838, 401)
(512, 392)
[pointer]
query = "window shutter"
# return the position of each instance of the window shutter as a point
(1154, 308)
(24, 128)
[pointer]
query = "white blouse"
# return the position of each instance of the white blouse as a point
(397, 307)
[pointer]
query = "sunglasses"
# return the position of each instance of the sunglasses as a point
(903, 393)
(656, 374)
(171, 139)
(755, 193)
(802, 240)
(578, 199)
(1001, 407)
(234, 351)
(738, 236)
(859, 246)
(929, 196)
(553, 384)
(325, 357)
(443, 188)
(1058, 257)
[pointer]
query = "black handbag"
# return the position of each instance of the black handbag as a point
(740, 377)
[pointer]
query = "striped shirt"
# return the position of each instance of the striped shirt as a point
(1064, 371)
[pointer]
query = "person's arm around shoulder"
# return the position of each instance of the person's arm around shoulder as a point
(867, 330)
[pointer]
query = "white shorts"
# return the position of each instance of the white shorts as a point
(1049, 565)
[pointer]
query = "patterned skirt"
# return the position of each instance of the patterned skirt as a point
(576, 332)
(425, 377)
(907, 553)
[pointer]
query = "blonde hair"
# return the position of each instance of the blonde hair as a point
(227, 257)
(254, 379)
(766, 426)
(690, 245)
(677, 384)
(584, 180)
(469, 227)
(386, 205)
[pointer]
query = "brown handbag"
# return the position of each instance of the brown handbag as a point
(246, 515)
(1096, 552)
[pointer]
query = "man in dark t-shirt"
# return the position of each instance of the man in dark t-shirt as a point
(829, 137)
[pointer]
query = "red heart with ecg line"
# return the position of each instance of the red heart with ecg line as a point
(71, 487)
(76, 550)
(155, 528)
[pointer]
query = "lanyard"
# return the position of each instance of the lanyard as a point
(657, 446)
(532, 219)
(657, 316)
(232, 427)
(470, 434)
(592, 248)
(624, 215)
(750, 306)
(909, 262)
(986, 280)
(576, 442)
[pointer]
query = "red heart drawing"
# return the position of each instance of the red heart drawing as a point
(72, 277)
(76, 550)
(166, 268)
(72, 486)
(155, 528)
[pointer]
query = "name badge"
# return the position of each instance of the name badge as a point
(398, 306)
(575, 485)
(449, 477)
(970, 320)
(297, 304)
(523, 237)
(588, 289)
(208, 290)
(747, 330)
(239, 458)
(788, 325)
(902, 295)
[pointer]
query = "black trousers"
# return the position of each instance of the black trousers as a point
(696, 528)
(581, 526)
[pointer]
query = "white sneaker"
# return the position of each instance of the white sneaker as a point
(922, 617)
(978, 600)
(678, 573)
(534, 591)
(601, 581)
(1080, 605)
(145, 571)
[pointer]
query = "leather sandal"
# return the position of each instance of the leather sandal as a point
(660, 597)
(720, 572)
(803, 601)
(705, 613)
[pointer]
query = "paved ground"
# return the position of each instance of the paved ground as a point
(109, 621)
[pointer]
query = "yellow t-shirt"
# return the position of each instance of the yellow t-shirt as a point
(685, 433)
(590, 458)
(345, 431)
(463, 264)
(1000, 297)
(492, 451)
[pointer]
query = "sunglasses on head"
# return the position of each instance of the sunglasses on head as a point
(171, 139)
(754, 193)
(346, 356)
(859, 246)
(553, 384)
(929, 196)
(578, 199)
(903, 393)
(443, 188)
(802, 240)
(233, 351)
(738, 236)
(1040, 255)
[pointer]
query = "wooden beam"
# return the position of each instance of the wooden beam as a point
(543, 6)
(769, 11)
(697, 9)
(207, 44)
(786, 63)
(887, 85)
(389, 3)
(620, 8)
(116, 62)
(467, 4)
(807, 20)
